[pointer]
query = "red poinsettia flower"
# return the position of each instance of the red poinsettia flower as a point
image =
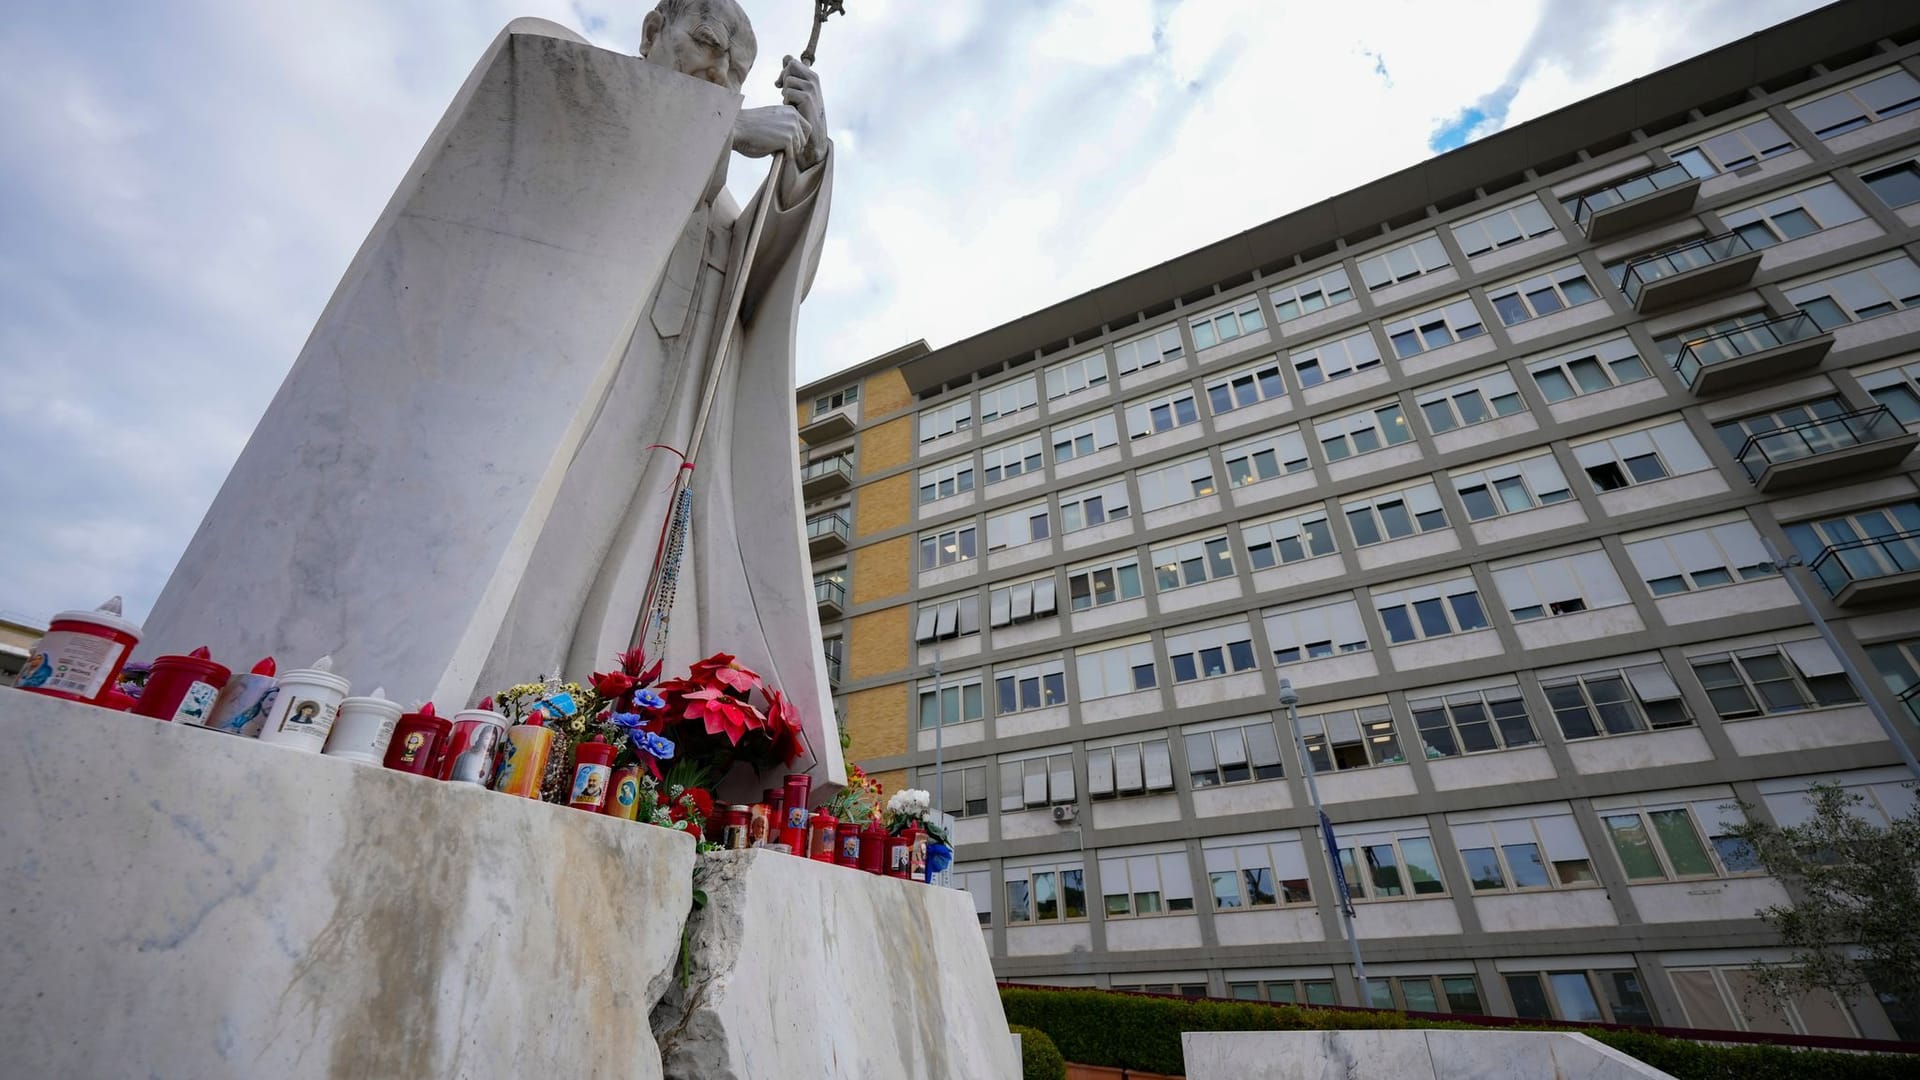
(633, 663)
(718, 712)
(783, 725)
(612, 684)
(722, 669)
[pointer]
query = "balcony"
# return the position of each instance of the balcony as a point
(828, 533)
(1634, 203)
(831, 598)
(1747, 355)
(1910, 700)
(1689, 272)
(1872, 570)
(826, 476)
(1851, 445)
(829, 426)
(833, 669)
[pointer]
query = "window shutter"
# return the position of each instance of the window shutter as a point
(1034, 786)
(1159, 766)
(1231, 745)
(1813, 657)
(1652, 559)
(949, 619)
(1126, 768)
(1176, 879)
(1342, 727)
(1060, 777)
(923, 630)
(1043, 598)
(1742, 543)
(1010, 786)
(1561, 837)
(1423, 499)
(970, 615)
(1680, 448)
(1100, 772)
(1001, 611)
(1023, 602)
(976, 784)
(1653, 683)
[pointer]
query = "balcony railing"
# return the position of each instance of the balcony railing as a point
(1843, 568)
(825, 476)
(833, 668)
(1698, 354)
(823, 529)
(1702, 253)
(1827, 435)
(1585, 208)
(1910, 698)
(830, 594)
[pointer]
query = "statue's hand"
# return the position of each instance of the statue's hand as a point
(770, 130)
(800, 88)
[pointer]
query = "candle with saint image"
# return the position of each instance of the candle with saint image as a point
(592, 769)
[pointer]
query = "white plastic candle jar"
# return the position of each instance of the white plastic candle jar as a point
(304, 711)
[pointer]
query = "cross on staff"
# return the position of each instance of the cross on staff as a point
(662, 584)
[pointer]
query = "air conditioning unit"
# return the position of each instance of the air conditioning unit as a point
(1066, 813)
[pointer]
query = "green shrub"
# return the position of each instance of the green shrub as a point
(1039, 1058)
(1097, 1027)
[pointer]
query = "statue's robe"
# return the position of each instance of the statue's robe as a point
(452, 490)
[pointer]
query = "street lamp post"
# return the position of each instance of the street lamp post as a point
(1291, 699)
(939, 726)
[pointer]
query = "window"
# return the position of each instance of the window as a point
(1404, 263)
(1351, 739)
(953, 617)
(1472, 721)
(1512, 488)
(1041, 779)
(1857, 106)
(962, 791)
(1153, 883)
(1898, 662)
(1791, 216)
(1011, 459)
(1264, 457)
(945, 420)
(1021, 525)
(1211, 652)
(1070, 377)
(1896, 185)
(1857, 295)
(1543, 294)
(1810, 538)
(1768, 681)
(1420, 612)
(1257, 871)
(1571, 996)
(839, 399)
(1289, 538)
(1735, 433)
(1600, 365)
(1248, 386)
(834, 647)
(1191, 562)
(831, 585)
(1009, 398)
(1640, 457)
(1183, 481)
(1312, 294)
(1136, 767)
(1898, 389)
(1287, 991)
(947, 547)
(1507, 225)
(1335, 359)
(1148, 350)
(1395, 515)
(1417, 993)
(957, 701)
(1022, 601)
(1670, 839)
(1524, 853)
(1748, 143)
(1363, 432)
(980, 884)
(1046, 893)
(1093, 585)
(946, 480)
(1616, 702)
(1701, 558)
(1152, 416)
(1559, 586)
(1487, 397)
(1118, 668)
(1732, 999)
(1237, 752)
(1224, 324)
(1040, 685)
(1390, 864)
(1315, 633)
(1083, 437)
(1435, 328)
(1083, 508)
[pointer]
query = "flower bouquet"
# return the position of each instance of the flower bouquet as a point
(912, 806)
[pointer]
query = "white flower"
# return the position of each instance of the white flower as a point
(910, 802)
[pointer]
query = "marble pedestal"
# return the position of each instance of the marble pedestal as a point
(182, 903)
(1412, 1054)
(804, 969)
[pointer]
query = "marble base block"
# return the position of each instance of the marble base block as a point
(183, 903)
(1405, 1055)
(803, 969)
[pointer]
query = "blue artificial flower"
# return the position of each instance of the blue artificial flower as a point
(644, 741)
(647, 699)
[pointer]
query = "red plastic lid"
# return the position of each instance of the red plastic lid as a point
(594, 753)
(200, 667)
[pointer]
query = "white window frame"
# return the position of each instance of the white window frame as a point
(1303, 297)
(1896, 386)
(1134, 766)
(956, 473)
(1266, 457)
(1191, 560)
(1149, 349)
(962, 537)
(1267, 538)
(1645, 682)
(1370, 727)
(1537, 479)
(1356, 839)
(1559, 584)
(1227, 322)
(1176, 482)
(1055, 787)
(1557, 282)
(1331, 359)
(1251, 745)
(1866, 113)
(1758, 221)
(1246, 386)
(1906, 161)
(1421, 332)
(1403, 262)
(1113, 668)
(1446, 709)
(1513, 223)
(1616, 359)
(960, 779)
(1420, 502)
(1087, 371)
(1022, 601)
(1075, 505)
(1692, 559)
(1018, 526)
(968, 708)
(1554, 837)
(1048, 678)
(1495, 391)
(1167, 871)
(1896, 280)
(1708, 817)
(946, 618)
(1057, 872)
(1670, 445)
(1015, 457)
(1383, 419)
(1144, 419)
(1315, 631)
(943, 420)
(1009, 399)
(1113, 570)
(1087, 435)
(1416, 602)
(1280, 859)
(1703, 162)
(1231, 640)
(836, 400)
(1808, 668)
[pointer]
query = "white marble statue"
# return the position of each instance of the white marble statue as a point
(454, 489)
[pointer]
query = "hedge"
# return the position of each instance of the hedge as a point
(1039, 1058)
(1094, 1027)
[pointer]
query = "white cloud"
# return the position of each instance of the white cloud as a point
(183, 184)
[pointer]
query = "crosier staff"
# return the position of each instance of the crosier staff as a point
(664, 580)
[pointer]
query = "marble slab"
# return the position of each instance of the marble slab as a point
(1412, 1054)
(803, 969)
(182, 903)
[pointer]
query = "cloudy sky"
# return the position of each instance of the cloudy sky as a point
(182, 185)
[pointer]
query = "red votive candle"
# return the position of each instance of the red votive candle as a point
(899, 855)
(847, 839)
(873, 848)
(794, 832)
(182, 688)
(820, 840)
(592, 770)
